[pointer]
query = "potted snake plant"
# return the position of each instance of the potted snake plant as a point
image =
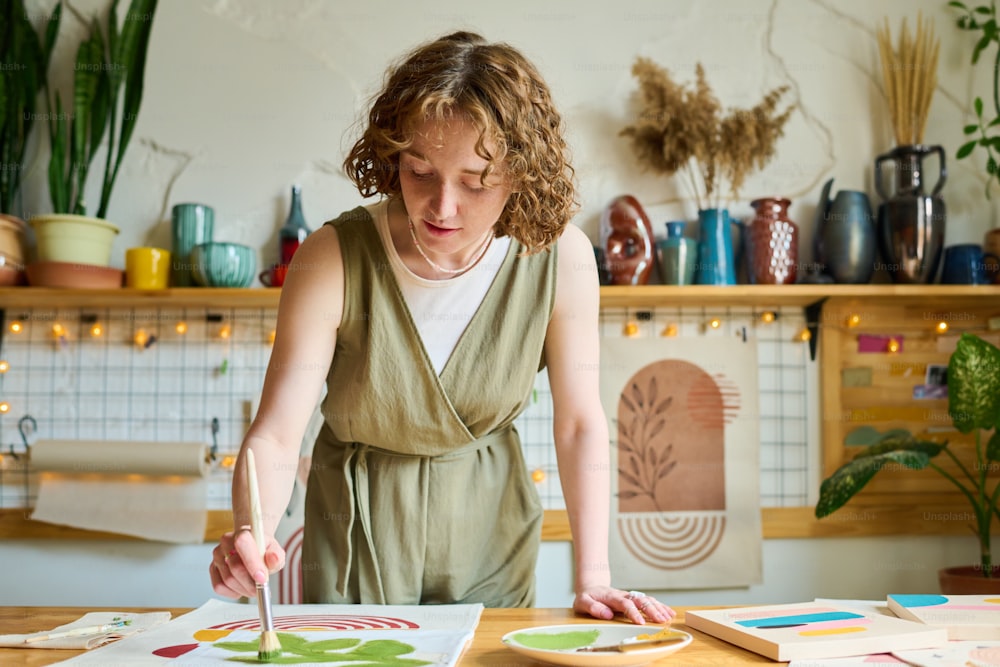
(108, 75)
(974, 407)
(23, 67)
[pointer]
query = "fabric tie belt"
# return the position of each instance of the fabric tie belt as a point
(356, 476)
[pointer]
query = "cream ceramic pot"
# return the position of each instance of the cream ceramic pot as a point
(73, 238)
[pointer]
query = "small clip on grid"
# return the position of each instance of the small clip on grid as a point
(213, 453)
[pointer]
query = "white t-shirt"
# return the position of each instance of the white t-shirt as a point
(441, 309)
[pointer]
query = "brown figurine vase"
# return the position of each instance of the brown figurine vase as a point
(627, 239)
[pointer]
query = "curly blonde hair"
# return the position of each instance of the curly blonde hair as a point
(504, 96)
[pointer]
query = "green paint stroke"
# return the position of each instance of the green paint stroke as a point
(296, 649)
(557, 641)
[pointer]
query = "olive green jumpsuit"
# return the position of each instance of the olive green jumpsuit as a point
(418, 492)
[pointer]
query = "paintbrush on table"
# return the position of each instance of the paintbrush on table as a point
(79, 632)
(269, 647)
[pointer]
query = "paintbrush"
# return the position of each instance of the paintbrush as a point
(269, 647)
(79, 632)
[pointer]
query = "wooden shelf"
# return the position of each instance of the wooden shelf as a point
(611, 296)
(45, 297)
(787, 295)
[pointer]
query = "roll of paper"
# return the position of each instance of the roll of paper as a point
(152, 490)
(188, 459)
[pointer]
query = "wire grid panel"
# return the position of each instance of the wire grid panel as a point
(165, 374)
(143, 375)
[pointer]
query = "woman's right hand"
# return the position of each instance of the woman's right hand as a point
(237, 567)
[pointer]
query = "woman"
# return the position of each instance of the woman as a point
(428, 315)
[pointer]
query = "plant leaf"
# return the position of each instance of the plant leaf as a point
(851, 477)
(966, 150)
(974, 384)
(901, 441)
(983, 42)
(133, 46)
(978, 106)
(971, 129)
(993, 447)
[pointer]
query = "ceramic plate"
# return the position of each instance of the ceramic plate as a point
(557, 644)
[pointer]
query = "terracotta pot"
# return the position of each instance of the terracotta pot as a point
(13, 239)
(991, 246)
(968, 580)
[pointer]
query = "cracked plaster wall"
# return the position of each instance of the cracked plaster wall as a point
(245, 97)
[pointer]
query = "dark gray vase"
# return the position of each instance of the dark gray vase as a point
(911, 222)
(845, 240)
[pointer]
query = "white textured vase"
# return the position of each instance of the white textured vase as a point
(73, 238)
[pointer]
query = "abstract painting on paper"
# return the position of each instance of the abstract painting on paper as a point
(963, 616)
(225, 633)
(810, 631)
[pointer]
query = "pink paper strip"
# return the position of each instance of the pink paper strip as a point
(877, 344)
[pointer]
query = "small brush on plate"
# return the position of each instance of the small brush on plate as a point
(269, 647)
(633, 644)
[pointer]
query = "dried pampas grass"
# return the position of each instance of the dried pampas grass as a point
(682, 129)
(909, 73)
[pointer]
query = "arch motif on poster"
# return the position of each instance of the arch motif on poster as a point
(671, 479)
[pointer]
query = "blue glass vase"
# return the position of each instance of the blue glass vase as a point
(677, 256)
(716, 259)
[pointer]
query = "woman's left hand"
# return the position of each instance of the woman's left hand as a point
(603, 602)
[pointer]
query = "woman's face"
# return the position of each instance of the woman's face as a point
(439, 175)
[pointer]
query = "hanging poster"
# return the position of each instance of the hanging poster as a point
(684, 460)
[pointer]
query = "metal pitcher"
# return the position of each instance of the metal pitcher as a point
(845, 240)
(911, 222)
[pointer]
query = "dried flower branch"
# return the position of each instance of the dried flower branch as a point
(681, 128)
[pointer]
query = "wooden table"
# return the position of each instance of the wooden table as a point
(486, 649)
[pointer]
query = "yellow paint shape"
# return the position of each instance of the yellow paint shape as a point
(992, 600)
(209, 635)
(831, 631)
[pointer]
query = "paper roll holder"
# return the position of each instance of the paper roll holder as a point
(22, 427)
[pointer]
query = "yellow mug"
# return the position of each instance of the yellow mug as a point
(147, 268)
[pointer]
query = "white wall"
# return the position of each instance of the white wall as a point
(244, 98)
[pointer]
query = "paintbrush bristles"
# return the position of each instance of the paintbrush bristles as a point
(269, 646)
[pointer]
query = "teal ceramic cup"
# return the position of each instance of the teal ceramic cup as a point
(222, 264)
(190, 224)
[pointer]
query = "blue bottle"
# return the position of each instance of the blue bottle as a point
(678, 256)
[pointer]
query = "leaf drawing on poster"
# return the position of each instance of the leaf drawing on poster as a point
(299, 650)
(640, 466)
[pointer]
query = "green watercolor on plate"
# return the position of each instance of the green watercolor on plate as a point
(557, 641)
